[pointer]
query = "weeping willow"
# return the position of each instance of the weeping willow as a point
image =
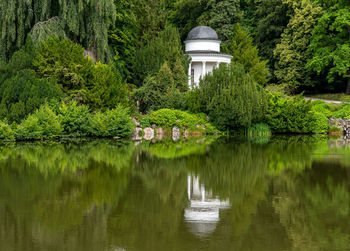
(83, 21)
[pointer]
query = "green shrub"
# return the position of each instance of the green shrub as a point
(169, 118)
(320, 106)
(43, 124)
(290, 115)
(6, 132)
(231, 97)
(321, 123)
(112, 123)
(343, 112)
(75, 119)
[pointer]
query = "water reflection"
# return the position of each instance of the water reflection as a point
(283, 193)
(202, 214)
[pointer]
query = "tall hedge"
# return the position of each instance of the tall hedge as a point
(230, 96)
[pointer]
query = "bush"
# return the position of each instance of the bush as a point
(321, 123)
(169, 118)
(6, 132)
(290, 115)
(343, 112)
(75, 119)
(320, 106)
(231, 97)
(112, 123)
(43, 124)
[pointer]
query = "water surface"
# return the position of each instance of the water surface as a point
(279, 193)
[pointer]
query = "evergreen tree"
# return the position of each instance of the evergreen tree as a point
(290, 54)
(244, 52)
(230, 96)
(150, 57)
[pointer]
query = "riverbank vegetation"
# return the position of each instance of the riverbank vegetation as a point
(58, 78)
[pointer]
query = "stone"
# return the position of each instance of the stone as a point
(160, 133)
(136, 122)
(149, 133)
(186, 133)
(136, 134)
(175, 133)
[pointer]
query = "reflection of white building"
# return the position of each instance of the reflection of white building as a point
(203, 213)
(203, 46)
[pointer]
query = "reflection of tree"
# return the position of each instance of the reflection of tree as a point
(168, 149)
(95, 195)
(314, 207)
(55, 203)
(150, 215)
(235, 171)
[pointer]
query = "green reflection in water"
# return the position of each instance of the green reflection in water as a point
(286, 193)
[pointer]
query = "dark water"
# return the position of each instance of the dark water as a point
(283, 193)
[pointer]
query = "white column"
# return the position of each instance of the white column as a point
(203, 193)
(203, 69)
(189, 187)
(217, 64)
(190, 75)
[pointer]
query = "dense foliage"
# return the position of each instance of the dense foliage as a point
(54, 52)
(286, 114)
(230, 96)
(84, 21)
(71, 120)
(169, 118)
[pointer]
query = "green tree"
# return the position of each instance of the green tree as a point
(23, 93)
(106, 88)
(64, 61)
(272, 17)
(230, 96)
(222, 14)
(123, 38)
(150, 57)
(185, 15)
(84, 21)
(290, 54)
(244, 52)
(163, 90)
(218, 14)
(330, 43)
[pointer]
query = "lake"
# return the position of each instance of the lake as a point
(257, 193)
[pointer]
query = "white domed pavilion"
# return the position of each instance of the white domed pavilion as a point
(203, 46)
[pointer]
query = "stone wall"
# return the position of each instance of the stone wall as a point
(344, 125)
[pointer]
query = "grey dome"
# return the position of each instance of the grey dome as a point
(202, 32)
